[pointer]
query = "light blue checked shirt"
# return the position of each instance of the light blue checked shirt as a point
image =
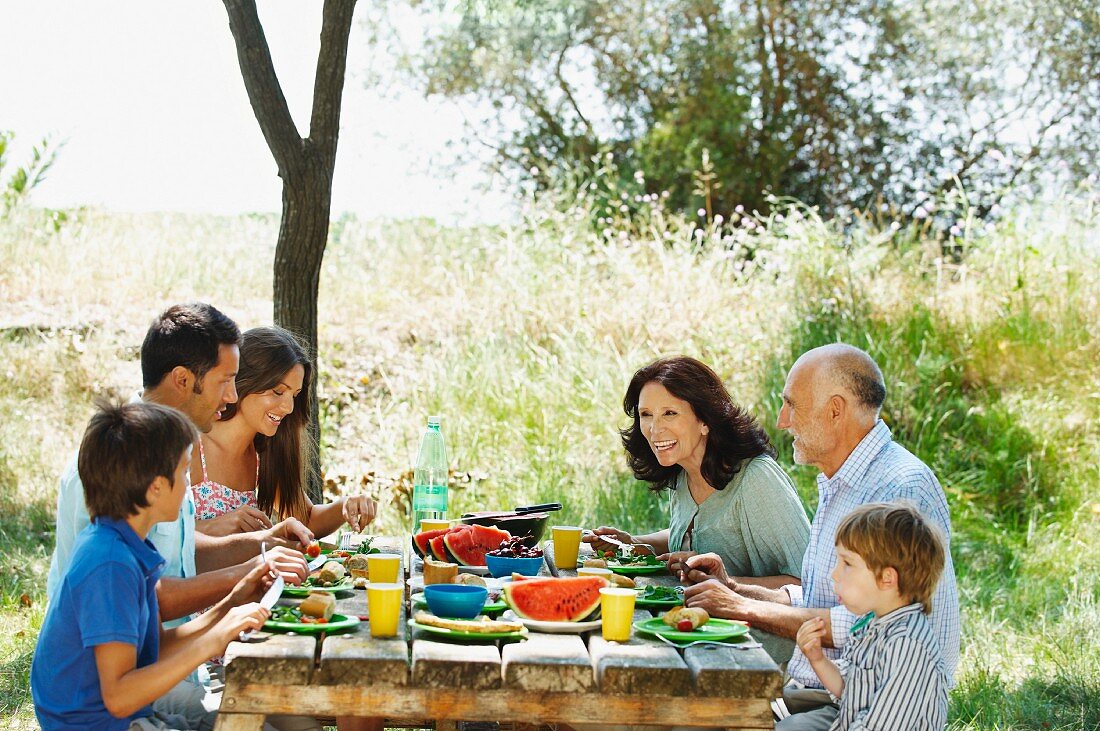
(878, 470)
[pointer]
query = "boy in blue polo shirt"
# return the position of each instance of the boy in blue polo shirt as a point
(102, 657)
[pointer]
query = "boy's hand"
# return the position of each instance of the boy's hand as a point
(253, 584)
(240, 619)
(809, 638)
(359, 511)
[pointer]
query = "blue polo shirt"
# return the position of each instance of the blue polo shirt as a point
(107, 595)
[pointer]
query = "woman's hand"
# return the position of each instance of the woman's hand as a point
(675, 561)
(704, 567)
(809, 638)
(359, 511)
(596, 542)
(244, 519)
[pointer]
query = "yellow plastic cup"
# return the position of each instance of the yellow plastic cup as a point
(567, 544)
(384, 567)
(617, 610)
(595, 571)
(384, 606)
(434, 524)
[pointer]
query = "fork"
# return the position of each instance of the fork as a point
(345, 541)
(715, 643)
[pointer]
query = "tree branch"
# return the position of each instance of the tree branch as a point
(260, 81)
(328, 83)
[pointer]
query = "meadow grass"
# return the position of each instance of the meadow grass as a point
(523, 337)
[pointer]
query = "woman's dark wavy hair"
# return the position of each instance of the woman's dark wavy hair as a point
(267, 354)
(734, 434)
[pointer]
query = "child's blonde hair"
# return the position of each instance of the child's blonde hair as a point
(896, 535)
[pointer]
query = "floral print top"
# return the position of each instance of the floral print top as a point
(213, 499)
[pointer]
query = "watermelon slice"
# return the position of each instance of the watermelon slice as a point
(439, 552)
(468, 547)
(555, 600)
(420, 540)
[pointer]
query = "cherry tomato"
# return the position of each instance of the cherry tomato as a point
(313, 550)
(684, 625)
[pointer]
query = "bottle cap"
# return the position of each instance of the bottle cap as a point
(433, 421)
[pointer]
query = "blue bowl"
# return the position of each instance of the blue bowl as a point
(456, 601)
(501, 566)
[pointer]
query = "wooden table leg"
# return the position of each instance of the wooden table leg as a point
(239, 722)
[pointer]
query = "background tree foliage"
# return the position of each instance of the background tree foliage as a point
(839, 104)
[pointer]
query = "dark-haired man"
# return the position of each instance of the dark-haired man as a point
(831, 405)
(189, 361)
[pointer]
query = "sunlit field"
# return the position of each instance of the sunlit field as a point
(523, 338)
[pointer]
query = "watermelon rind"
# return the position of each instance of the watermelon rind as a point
(420, 540)
(439, 552)
(555, 600)
(468, 547)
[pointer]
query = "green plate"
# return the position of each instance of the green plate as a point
(656, 602)
(303, 591)
(715, 629)
(453, 634)
(628, 569)
(338, 623)
(490, 608)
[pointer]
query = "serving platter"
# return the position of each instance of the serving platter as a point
(555, 628)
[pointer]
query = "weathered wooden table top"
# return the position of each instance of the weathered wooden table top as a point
(547, 678)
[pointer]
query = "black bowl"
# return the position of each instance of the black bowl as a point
(530, 527)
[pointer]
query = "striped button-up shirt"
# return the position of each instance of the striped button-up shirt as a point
(878, 470)
(894, 676)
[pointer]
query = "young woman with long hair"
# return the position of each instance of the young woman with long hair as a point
(251, 464)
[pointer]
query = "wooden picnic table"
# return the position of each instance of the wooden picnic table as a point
(415, 680)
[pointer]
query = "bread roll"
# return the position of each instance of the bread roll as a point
(331, 572)
(357, 566)
(318, 604)
(619, 580)
(470, 580)
(439, 572)
(594, 563)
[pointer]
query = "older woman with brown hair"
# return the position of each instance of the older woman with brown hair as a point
(727, 493)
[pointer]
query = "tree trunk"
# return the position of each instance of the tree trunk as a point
(306, 167)
(303, 235)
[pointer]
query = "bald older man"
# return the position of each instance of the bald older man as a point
(831, 404)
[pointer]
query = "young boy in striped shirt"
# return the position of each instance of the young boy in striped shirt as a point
(891, 675)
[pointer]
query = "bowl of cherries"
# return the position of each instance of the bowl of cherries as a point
(514, 556)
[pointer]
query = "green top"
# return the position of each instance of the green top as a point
(756, 524)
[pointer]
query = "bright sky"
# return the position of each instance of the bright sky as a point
(148, 99)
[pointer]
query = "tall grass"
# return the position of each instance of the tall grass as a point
(524, 337)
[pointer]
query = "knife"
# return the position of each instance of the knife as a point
(267, 601)
(544, 508)
(273, 593)
(317, 562)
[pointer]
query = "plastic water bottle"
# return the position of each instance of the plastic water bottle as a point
(430, 476)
